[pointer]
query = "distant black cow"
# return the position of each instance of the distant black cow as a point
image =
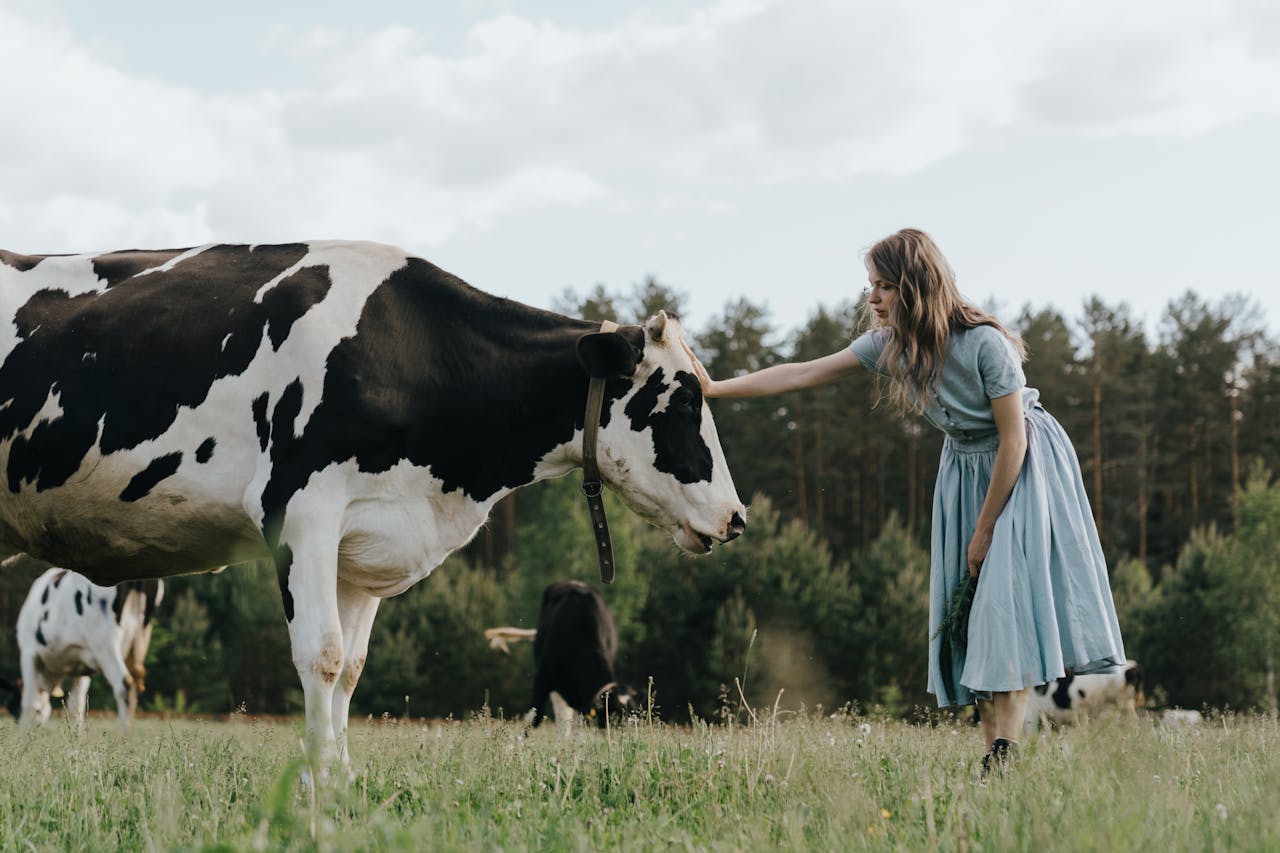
(573, 649)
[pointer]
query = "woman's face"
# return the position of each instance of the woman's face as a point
(882, 296)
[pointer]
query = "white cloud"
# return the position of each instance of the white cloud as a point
(387, 139)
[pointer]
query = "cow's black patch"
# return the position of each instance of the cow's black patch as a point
(57, 578)
(115, 267)
(641, 405)
(677, 438)
(260, 422)
(1062, 693)
(79, 602)
(44, 595)
(21, 263)
(102, 605)
(205, 451)
(151, 598)
(146, 479)
(203, 324)
(40, 637)
(444, 376)
(122, 595)
(284, 562)
(294, 296)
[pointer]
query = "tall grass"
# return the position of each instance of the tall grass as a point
(803, 783)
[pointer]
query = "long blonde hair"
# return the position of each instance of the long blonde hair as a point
(929, 308)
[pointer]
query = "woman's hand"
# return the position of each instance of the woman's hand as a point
(779, 378)
(704, 378)
(979, 545)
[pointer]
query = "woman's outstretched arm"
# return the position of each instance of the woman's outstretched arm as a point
(1011, 425)
(781, 377)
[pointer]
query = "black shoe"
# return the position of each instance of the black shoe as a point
(1002, 752)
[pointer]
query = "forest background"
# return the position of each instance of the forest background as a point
(823, 603)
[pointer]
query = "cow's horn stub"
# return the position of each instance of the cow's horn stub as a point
(656, 325)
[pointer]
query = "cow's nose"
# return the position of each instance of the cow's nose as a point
(736, 528)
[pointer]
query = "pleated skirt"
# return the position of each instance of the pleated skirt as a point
(1043, 601)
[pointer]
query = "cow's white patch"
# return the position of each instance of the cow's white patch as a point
(72, 275)
(355, 270)
(395, 527)
(177, 259)
(50, 411)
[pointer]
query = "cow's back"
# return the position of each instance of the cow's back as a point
(139, 389)
(572, 620)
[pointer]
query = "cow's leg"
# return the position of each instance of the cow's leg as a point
(307, 566)
(117, 675)
(35, 693)
(134, 657)
(564, 713)
(77, 695)
(541, 695)
(356, 610)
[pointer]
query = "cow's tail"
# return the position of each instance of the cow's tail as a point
(499, 637)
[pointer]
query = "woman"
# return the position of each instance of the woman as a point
(1009, 506)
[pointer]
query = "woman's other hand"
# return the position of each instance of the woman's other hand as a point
(979, 545)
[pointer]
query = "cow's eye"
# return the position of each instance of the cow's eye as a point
(683, 398)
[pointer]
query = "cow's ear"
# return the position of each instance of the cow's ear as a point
(656, 326)
(607, 354)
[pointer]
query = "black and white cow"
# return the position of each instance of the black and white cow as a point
(1075, 697)
(573, 649)
(69, 627)
(347, 409)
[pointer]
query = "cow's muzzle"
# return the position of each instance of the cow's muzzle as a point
(732, 530)
(737, 526)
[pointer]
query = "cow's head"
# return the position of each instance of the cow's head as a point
(615, 704)
(658, 448)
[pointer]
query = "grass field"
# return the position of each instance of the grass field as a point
(811, 784)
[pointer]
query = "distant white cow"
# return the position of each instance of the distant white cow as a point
(1074, 697)
(72, 628)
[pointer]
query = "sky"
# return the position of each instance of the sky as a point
(731, 149)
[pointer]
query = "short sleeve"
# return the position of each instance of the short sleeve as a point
(999, 364)
(868, 346)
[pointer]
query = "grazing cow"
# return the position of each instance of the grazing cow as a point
(1180, 717)
(573, 650)
(1074, 697)
(346, 409)
(69, 627)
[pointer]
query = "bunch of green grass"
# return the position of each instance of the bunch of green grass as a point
(954, 630)
(790, 780)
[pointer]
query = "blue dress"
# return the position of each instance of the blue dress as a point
(1043, 601)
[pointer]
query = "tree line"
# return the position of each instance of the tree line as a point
(824, 601)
